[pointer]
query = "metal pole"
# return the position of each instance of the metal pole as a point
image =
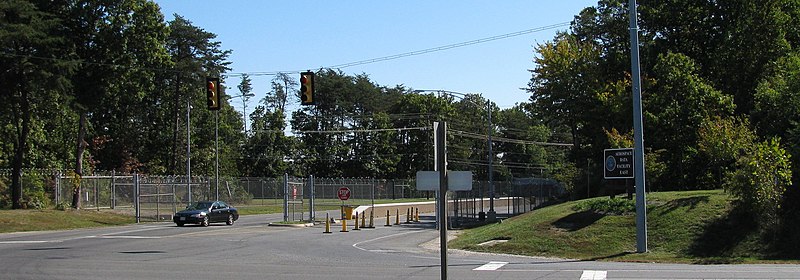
(244, 113)
(113, 189)
(441, 163)
(285, 197)
(188, 150)
(136, 197)
(492, 214)
(638, 135)
(216, 152)
(311, 216)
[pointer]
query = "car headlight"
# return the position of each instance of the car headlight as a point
(202, 214)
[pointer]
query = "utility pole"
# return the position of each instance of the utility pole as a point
(440, 132)
(492, 214)
(638, 135)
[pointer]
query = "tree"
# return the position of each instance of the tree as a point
(760, 180)
(522, 160)
(267, 152)
(676, 106)
(32, 76)
(197, 55)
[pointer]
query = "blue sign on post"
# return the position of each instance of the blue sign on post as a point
(618, 163)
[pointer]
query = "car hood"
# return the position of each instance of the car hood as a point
(192, 212)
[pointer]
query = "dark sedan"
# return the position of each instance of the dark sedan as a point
(205, 212)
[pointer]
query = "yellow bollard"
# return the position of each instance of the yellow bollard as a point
(417, 217)
(355, 222)
(387, 219)
(344, 225)
(397, 220)
(363, 220)
(327, 224)
(408, 216)
(371, 223)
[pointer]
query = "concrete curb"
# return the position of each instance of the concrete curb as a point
(291, 225)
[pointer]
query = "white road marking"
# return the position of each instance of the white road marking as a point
(593, 275)
(25, 242)
(491, 266)
(129, 237)
(357, 245)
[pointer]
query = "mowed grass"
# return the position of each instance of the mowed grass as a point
(683, 227)
(34, 220)
(272, 206)
(37, 220)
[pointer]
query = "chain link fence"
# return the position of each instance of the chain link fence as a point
(156, 198)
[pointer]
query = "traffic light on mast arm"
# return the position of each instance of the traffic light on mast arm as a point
(307, 88)
(212, 93)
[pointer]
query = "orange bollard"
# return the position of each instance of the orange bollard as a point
(408, 216)
(387, 219)
(344, 226)
(397, 220)
(327, 224)
(417, 216)
(371, 222)
(355, 222)
(363, 220)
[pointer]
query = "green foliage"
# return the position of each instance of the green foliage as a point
(680, 101)
(610, 206)
(760, 180)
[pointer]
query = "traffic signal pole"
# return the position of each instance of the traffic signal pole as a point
(216, 152)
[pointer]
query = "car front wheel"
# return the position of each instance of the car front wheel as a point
(230, 220)
(204, 222)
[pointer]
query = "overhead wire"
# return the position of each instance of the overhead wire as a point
(336, 66)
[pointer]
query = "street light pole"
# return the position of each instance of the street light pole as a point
(245, 97)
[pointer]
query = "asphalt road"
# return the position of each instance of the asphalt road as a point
(252, 250)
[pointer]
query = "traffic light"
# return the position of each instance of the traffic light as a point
(212, 92)
(307, 88)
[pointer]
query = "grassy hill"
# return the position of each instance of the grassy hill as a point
(686, 227)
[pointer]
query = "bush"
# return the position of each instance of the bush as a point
(760, 180)
(613, 206)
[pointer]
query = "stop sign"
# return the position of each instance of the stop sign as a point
(343, 193)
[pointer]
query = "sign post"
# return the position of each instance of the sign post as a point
(344, 194)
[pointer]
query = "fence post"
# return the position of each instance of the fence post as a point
(285, 197)
(136, 196)
(96, 195)
(311, 216)
(58, 188)
(113, 189)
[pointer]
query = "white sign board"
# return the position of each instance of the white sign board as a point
(427, 180)
(459, 180)
(456, 180)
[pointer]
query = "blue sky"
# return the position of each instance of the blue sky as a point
(273, 36)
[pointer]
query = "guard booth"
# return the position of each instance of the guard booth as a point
(347, 211)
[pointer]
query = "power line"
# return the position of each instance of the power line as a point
(337, 66)
(359, 130)
(507, 140)
(451, 46)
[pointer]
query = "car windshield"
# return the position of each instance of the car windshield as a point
(199, 206)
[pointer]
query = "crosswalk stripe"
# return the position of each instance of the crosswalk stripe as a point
(593, 275)
(491, 266)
